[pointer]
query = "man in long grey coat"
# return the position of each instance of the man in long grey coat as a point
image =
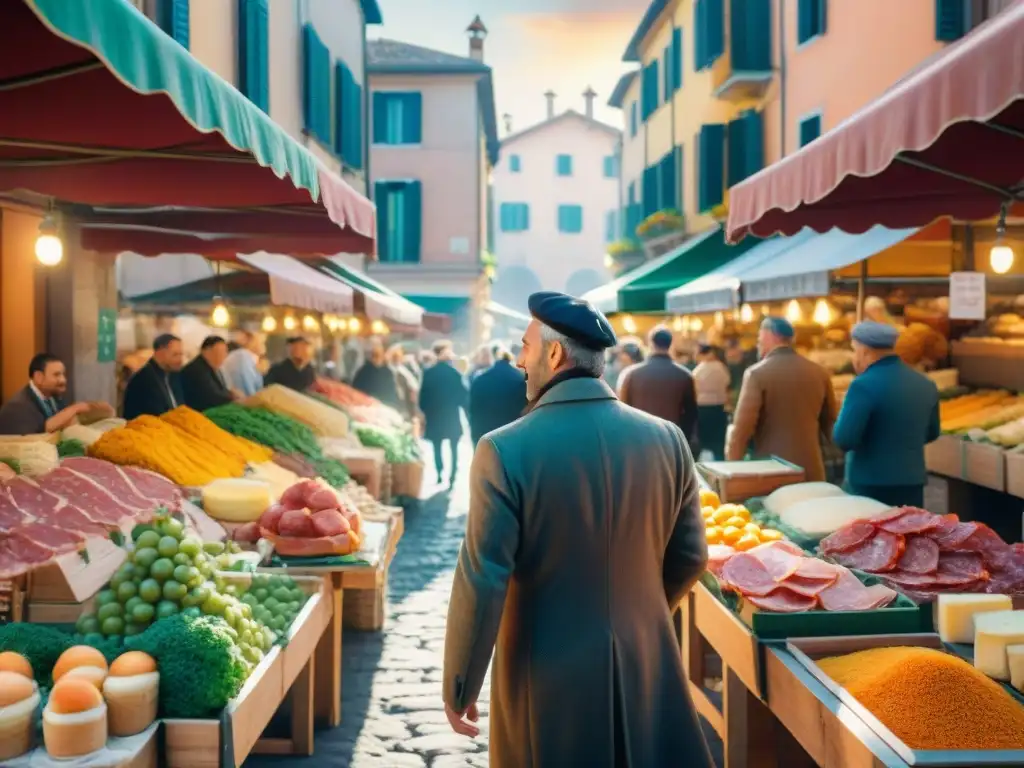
(584, 533)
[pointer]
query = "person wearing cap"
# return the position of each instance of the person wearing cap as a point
(295, 371)
(443, 399)
(662, 387)
(889, 414)
(584, 533)
(786, 405)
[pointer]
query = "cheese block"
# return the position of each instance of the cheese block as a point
(236, 500)
(1015, 659)
(955, 614)
(993, 632)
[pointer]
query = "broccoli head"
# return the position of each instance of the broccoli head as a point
(201, 667)
(40, 644)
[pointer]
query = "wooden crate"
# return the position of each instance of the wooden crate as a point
(407, 479)
(72, 578)
(1015, 474)
(226, 743)
(985, 465)
(365, 609)
(729, 637)
(945, 456)
(737, 481)
(807, 650)
(12, 600)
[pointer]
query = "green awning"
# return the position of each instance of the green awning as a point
(441, 305)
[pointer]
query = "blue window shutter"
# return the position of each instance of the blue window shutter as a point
(699, 35)
(716, 29)
(341, 96)
(609, 167)
(950, 20)
(655, 94)
(677, 59)
(667, 73)
(753, 151)
(380, 197)
(563, 165)
(380, 117)
(810, 129)
(811, 20)
(412, 118)
(649, 193)
(735, 144)
(667, 182)
(711, 166)
(633, 119)
(503, 216)
(316, 86)
(524, 217)
(174, 20)
(514, 164)
(570, 219)
(412, 191)
(680, 158)
(356, 122)
(253, 52)
(631, 194)
(308, 78)
(750, 25)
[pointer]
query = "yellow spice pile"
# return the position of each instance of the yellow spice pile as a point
(930, 699)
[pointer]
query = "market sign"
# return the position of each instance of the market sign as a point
(106, 341)
(967, 296)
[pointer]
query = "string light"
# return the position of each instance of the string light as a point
(220, 316)
(49, 248)
(629, 324)
(822, 313)
(290, 323)
(354, 325)
(379, 328)
(269, 324)
(793, 311)
(678, 325)
(309, 323)
(1000, 256)
(747, 313)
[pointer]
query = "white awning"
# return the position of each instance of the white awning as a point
(294, 284)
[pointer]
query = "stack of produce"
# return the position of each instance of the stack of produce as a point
(985, 410)
(922, 554)
(399, 447)
(29, 457)
(778, 576)
(359, 406)
(282, 434)
(201, 428)
(930, 699)
(310, 520)
(55, 513)
(730, 524)
(322, 419)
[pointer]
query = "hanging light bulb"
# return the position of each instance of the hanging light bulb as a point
(719, 320)
(629, 324)
(49, 248)
(747, 313)
(793, 311)
(331, 322)
(696, 325)
(309, 323)
(1000, 257)
(290, 323)
(379, 328)
(354, 325)
(822, 313)
(220, 316)
(269, 324)
(677, 325)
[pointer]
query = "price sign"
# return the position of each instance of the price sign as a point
(106, 342)
(967, 296)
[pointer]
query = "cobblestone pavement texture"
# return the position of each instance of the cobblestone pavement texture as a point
(392, 714)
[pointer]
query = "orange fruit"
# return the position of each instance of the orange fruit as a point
(770, 534)
(709, 498)
(746, 541)
(714, 534)
(753, 529)
(736, 521)
(731, 534)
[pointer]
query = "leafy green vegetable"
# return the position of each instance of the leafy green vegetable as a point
(399, 447)
(67, 448)
(200, 664)
(40, 644)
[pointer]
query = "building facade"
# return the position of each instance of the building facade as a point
(433, 144)
(632, 151)
(556, 192)
(725, 87)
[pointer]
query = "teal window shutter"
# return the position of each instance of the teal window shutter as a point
(711, 166)
(677, 59)
(609, 167)
(515, 164)
(699, 35)
(563, 165)
(397, 117)
(610, 226)
(750, 29)
(380, 117)
(174, 20)
(514, 217)
(633, 119)
(316, 91)
(950, 20)
(570, 219)
(356, 122)
(341, 96)
(254, 52)
(348, 109)
(667, 182)
(810, 129)
(811, 19)
(716, 30)
(649, 192)
(680, 156)
(667, 74)
(745, 147)
(735, 159)
(655, 93)
(384, 225)
(524, 217)
(412, 128)
(412, 192)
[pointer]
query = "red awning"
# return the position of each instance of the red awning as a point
(141, 123)
(948, 140)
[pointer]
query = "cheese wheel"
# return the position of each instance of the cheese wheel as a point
(956, 613)
(993, 632)
(236, 501)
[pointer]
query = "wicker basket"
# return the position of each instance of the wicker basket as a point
(364, 609)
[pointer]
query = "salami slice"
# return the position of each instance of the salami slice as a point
(920, 556)
(962, 564)
(911, 521)
(747, 575)
(890, 514)
(952, 538)
(783, 600)
(947, 524)
(848, 537)
(906, 579)
(878, 554)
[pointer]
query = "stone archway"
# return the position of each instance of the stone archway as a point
(513, 286)
(583, 280)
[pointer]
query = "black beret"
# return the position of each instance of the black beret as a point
(572, 317)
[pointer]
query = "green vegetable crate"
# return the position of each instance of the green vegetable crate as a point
(227, 742)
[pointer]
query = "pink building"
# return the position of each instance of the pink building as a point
(433, 141)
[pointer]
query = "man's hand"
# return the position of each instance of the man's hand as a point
(463, 722)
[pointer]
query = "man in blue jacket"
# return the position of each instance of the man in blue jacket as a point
(497, 396)
(888, 416)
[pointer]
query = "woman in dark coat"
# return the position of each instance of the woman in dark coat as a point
(442, 399)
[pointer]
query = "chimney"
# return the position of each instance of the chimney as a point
(588, 97)
(477, 34)
(507, 119)
(550, 96)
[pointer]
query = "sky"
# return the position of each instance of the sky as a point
(532, 46)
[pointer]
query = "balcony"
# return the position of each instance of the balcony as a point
(745, 71)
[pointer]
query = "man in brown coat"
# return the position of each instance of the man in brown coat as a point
(661, 387)
(786, 404)
(584, 532)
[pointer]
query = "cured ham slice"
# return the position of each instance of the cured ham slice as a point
(748, 575)
(809, 587)
(717, 555)
(108, 477)
(921, 555)
(783, 600)
(52, 537)
(880, 553)
(155, 488)
(847, 593)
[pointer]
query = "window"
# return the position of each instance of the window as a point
(745, 141)
(708, 32)
(668, 186)
(514, 164)
(950, 20)
(563, 165)
(254, 53)
(633, 119)
(710, 166)
(810, 19)
(348, 117)
(649, 90)
(397, 117)
(750, 35)
(649, 191)
(610, 169)
(570, 219)
(514, 217)
(677, 59)
(316, 86)
(174, 20)
(399, 217)
(611, 226)
(810, 129)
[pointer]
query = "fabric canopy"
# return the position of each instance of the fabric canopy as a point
(98, 107)
(294, 284)
(948, 140)
(441, 305)
(805, 269)
(501, 310)
(373, 299)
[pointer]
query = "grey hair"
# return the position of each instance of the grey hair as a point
(580, 357)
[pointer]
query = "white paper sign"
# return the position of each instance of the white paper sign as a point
(967, 296)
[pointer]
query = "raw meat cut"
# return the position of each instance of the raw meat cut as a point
(911, 521)
(880, 553)
(153, 487)
(29, 551)
(921, 555)
(52, 537)
(782, 600)
(10, 515)
(748, 575)
(890, 514)
(848, 537)
(88, 494)
(109, 477)
(849, 594)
